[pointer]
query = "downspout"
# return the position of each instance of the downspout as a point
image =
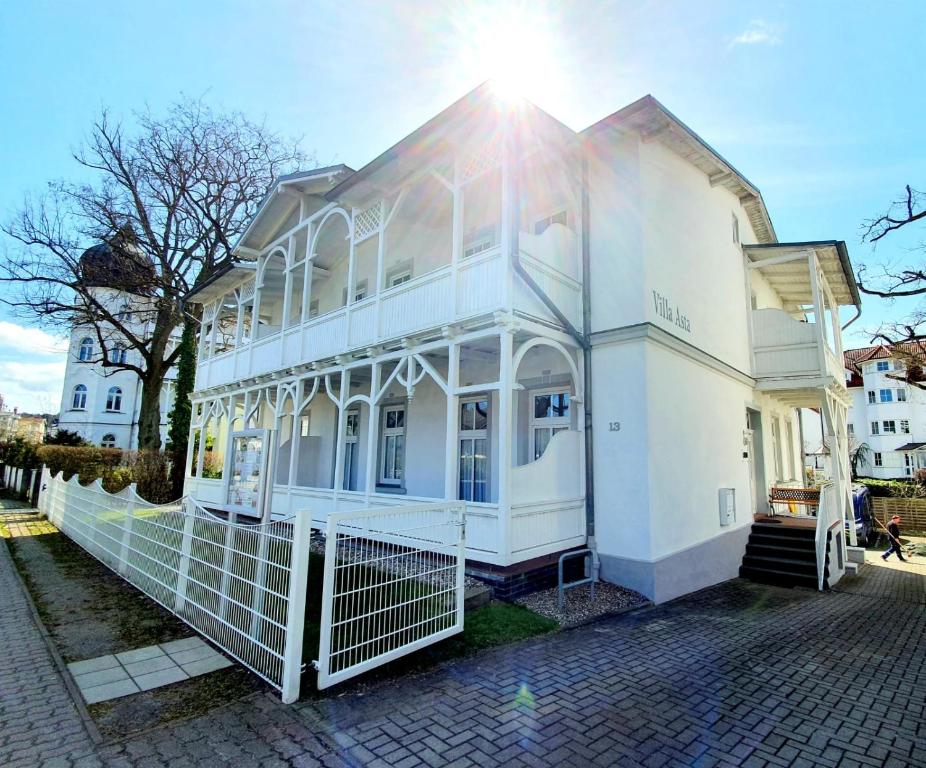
(581, 337)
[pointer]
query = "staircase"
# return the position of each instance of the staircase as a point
(783, 555)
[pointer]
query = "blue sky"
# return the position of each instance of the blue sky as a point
(817, 103)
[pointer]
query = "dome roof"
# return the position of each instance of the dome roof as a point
(118, 264)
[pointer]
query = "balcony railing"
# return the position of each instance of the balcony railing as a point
(784, 347)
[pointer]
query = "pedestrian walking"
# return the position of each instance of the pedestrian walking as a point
(893, 534)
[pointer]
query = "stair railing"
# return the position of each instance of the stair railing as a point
(826, 519)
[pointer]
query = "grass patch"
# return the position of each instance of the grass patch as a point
(501, 623)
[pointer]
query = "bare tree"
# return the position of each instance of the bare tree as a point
(890, 282)
(166, 201)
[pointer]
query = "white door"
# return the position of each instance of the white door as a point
(748, 439)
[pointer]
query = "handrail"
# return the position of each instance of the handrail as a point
(825, 520)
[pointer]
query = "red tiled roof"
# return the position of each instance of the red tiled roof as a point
(853, 358)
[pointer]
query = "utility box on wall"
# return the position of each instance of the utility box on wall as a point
(727, 506)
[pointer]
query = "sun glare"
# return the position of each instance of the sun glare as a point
(513, 46)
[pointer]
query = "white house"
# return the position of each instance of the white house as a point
(594, 338)
(888, 412)
(102, 404)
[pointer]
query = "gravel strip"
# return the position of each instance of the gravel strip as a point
(579, 607)
(407, 565)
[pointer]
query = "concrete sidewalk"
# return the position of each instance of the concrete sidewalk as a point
(739, 674)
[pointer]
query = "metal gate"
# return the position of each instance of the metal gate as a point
(242, 586)
(393, 584)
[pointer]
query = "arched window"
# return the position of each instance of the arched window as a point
(108, 441)
(86, 349)
(79, 399)
(114, 399)
(118, 354)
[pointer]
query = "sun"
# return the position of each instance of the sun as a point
(514, 46)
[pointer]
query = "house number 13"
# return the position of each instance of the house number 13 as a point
(614, 426)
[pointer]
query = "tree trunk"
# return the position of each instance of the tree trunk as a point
(149, 414)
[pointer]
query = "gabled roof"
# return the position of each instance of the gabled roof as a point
(275, 206)
(654, 122)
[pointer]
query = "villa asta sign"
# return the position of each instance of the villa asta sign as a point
(664, 309)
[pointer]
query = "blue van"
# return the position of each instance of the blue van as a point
(864, 515)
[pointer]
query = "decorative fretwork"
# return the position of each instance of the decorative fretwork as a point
(246, 291)
(488, 157)
(366, 223)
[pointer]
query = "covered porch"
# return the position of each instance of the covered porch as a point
(491, 416)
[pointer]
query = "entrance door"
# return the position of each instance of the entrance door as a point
(749, 455)
(756, 461)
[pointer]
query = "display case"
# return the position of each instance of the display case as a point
(247, 472)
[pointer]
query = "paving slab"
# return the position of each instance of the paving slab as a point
(101, 676)
(162, 677)
(139, 654)
(184, 644)
(146, 666)
(193, 654)
(92, 665)
(113, 690)
(204, 666)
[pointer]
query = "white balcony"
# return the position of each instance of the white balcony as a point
(786, 348)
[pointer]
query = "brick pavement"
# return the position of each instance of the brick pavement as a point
(739, 674)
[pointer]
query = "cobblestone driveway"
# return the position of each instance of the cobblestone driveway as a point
(735, 675)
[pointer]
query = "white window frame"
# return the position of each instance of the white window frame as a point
(114, 400)
(850, 429)
(553, 423)
(384, 434)
(889, 430)
(905, 426)
(400, 278)
(360, 291)
(85, 350)
(901, 395)
(479, 240)
(80, 389)
(350, 446)
(736, 228)
(875, 428)
(110, 438)
(471, 435)
(883, 365)
(872, 397)
(879, 460)
(885, 396)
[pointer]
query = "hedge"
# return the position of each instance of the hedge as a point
(904, 489)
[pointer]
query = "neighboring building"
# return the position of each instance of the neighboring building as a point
(27, 426)
(102, 404)
(438, 324)
(888, 410)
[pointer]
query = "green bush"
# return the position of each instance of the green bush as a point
(18, 452)
(115, 468)
(902, 489)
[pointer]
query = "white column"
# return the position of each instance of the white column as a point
(339, 445)
(819, 314)
(380, 262)
(457, 235)
(309, 269)
(505, 413)
(451, 460)
(373, 431)
(287, 284)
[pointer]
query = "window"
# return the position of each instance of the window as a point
(901, 395)
(542, 225)
(400, 278)
(850, 428)
(736, 229)
(108, 441)
(79, 399)
(392, 446)
(474, 443)
(550, 414)
(479, 241)
(313, 308)
(351, 433)
(878, 461)
(905, 426)
(874, 427)
(889, 427)
(883, 365)
(360, 292)
(118, 354)
(871, 396)
(305, 423)
(886, 395)
(86, 350)
(114, 399)
(908, 464)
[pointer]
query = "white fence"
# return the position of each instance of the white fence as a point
(242, 586)
(393, 584)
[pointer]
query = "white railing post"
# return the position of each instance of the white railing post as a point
(460, 519)
(295, 608)
(183, 569)
(126, 532)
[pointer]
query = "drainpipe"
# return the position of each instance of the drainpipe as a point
(582, 337)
